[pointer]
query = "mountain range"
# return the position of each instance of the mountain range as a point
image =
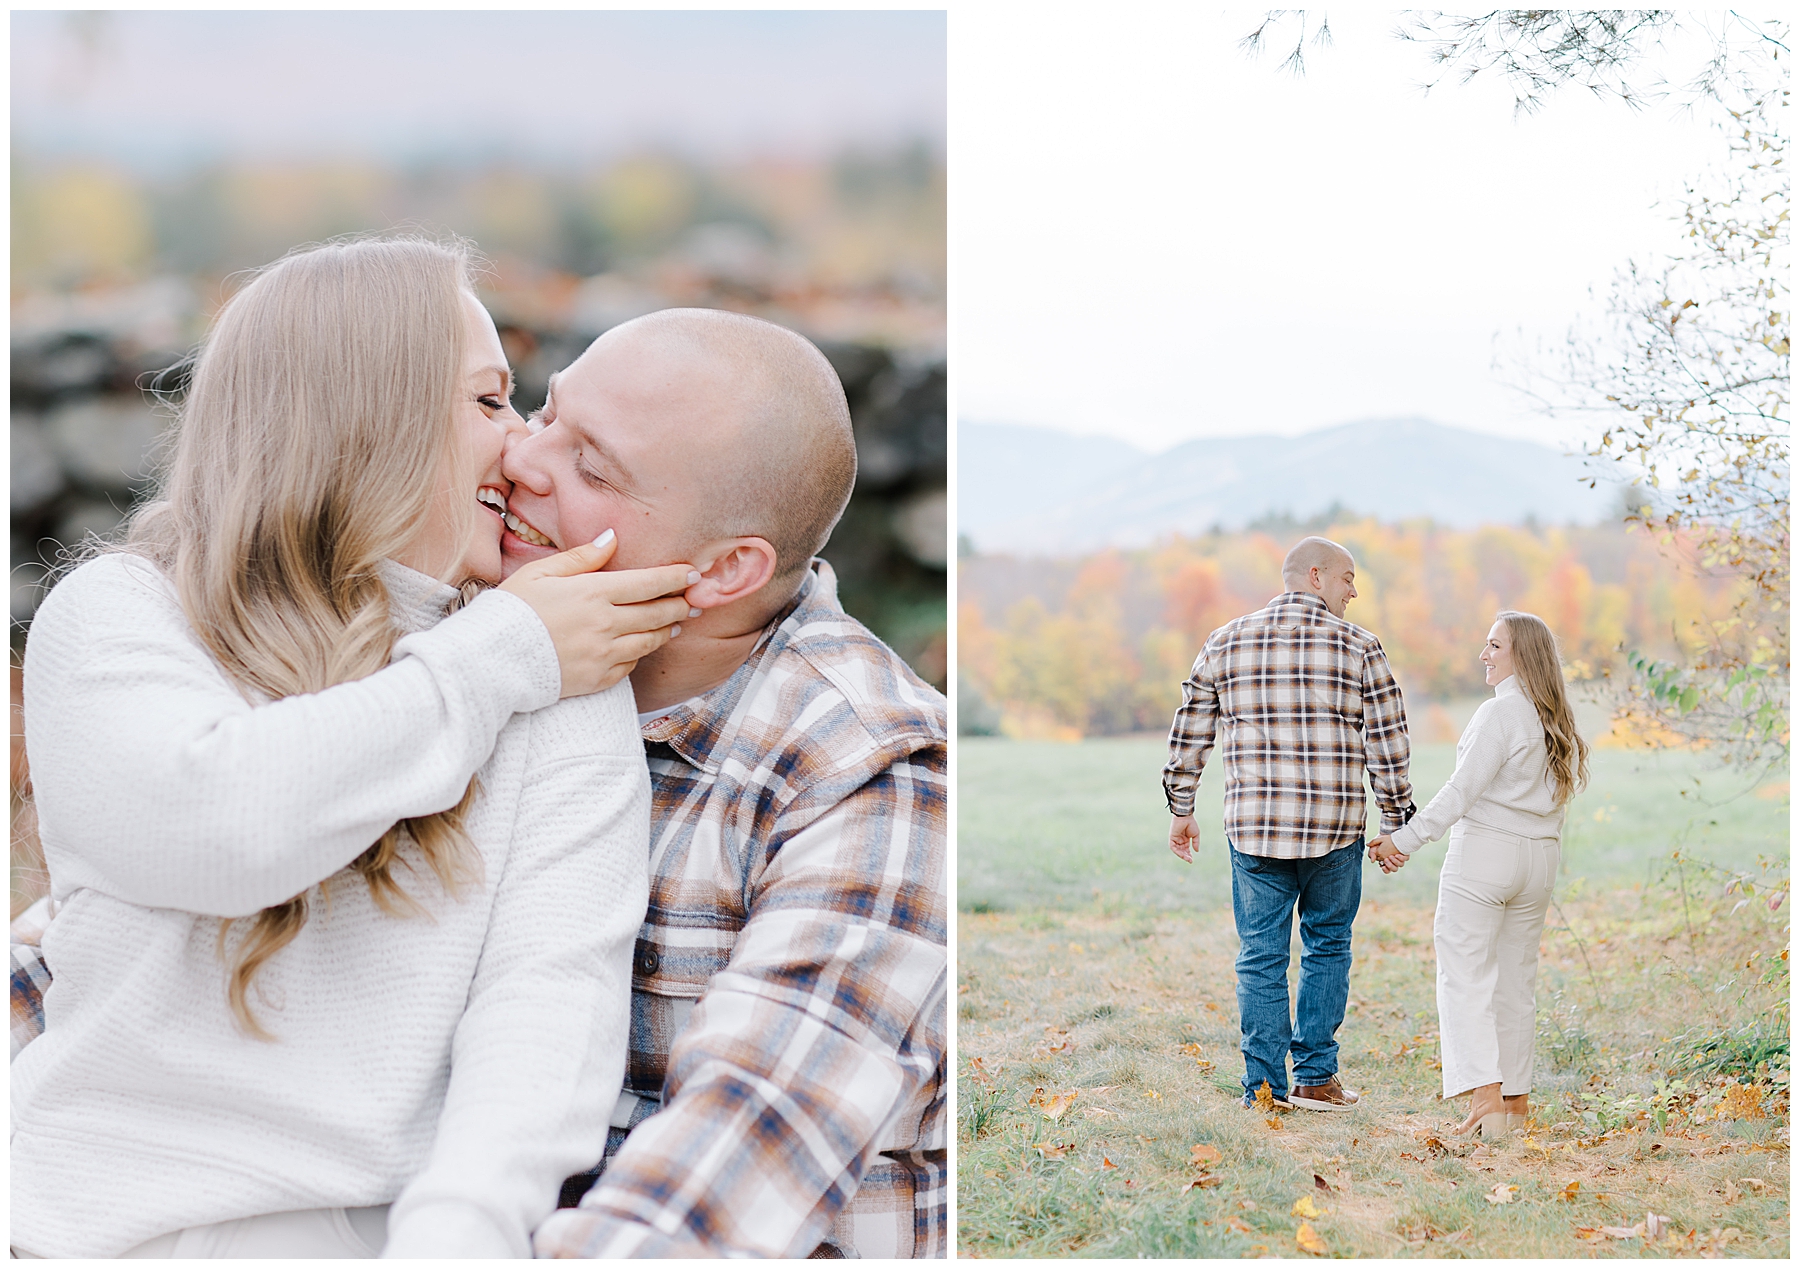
(1037, 491)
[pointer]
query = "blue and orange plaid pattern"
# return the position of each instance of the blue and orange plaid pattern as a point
(1301, 702)
(789, 1003)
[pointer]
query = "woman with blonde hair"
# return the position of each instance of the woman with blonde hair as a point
(345, 899)
(1518, 763)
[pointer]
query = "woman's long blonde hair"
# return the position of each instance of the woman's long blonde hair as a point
(1539, 670)
(315, 434)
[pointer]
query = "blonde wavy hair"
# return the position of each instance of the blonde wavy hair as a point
(1539, 670)
(316, 432)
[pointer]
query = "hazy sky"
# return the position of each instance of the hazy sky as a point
(153, 89)
(1157, 238)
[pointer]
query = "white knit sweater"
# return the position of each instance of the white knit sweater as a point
(461, 1063)
(1501, 779)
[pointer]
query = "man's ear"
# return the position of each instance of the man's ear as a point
(733, 569)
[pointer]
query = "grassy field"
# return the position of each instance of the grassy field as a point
(1097, 1037)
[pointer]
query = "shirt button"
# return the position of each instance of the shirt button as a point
(648, 962)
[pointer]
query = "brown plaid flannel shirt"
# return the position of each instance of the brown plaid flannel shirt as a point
(785, 1086)
(1305, 702)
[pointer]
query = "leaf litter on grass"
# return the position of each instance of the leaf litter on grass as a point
(1408, 1185)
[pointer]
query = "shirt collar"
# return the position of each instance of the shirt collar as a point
(1509, 686)
(694, 727)
(415, 601)
(1299, 599)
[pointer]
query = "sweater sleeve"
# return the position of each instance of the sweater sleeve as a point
(156, 781)
(539, 1055)
(1478, 761)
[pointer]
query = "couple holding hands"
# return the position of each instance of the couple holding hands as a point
(1301, 702)
(411, 878)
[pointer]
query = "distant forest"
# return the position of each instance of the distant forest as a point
(1100, 645)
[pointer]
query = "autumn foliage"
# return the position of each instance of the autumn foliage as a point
(1100, 645)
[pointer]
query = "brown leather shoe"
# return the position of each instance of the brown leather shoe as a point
(1330, 1095)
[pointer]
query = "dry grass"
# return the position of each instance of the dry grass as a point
(1136, 1014)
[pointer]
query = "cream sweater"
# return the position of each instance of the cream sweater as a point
(1501, 777)
(458, 1065)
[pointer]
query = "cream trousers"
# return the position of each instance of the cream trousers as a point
(322, 1233)
(1492, 897)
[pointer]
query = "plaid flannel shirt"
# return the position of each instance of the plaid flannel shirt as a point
(1305, 702)
(785, 1085)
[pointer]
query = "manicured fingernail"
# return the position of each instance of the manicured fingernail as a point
(605, 539)
(674, 632)
(693, 577)
(693, 612)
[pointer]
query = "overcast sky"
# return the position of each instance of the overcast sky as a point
(1156, 237)
(155, 89)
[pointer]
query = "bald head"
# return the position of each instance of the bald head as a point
(1319, 566)
(768, 427)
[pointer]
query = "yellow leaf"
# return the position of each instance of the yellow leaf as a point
(1309, 1241)
(1502, 1194)
(1204, 1156)
(1057, 1106)
(1304, 1206)
(1569, 1191)
(1274, 1123)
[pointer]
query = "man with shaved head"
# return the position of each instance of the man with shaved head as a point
(785, 1086)
(1301, 702)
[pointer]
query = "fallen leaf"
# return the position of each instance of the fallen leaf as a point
(1320, 1183)
(1274, 1123)
(1203, 1156)
(1742, 1101)
(1502, 1194)
(1204, 1182)
(1097, 1112)
(1248, 1205)
(1265, 1098)
(1620, 1231)
(1191, 1048)
(1432, 1143)
(1107, 1165)
(1568, 1192)
(1240, 1226)
(1754, 1183)
(1051, 1150)
(1309, 1241)
(1731, 1193)
(1304, 1206)
(1130, 1184)
(1588, 1234)
(1058, 1106)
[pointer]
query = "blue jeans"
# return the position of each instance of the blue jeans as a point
(1264, 894)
